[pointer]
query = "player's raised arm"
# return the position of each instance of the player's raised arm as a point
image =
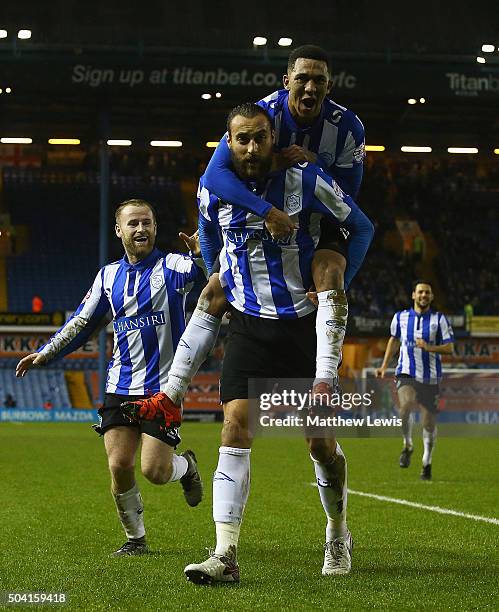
(330, 200)
(90, 314)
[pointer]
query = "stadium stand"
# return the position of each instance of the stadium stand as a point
(40, 387)
(60, 209)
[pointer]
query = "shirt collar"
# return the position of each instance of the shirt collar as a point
(153, 256)
(423, 314)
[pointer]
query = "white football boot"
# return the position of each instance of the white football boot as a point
(338, 556)
(217, 568)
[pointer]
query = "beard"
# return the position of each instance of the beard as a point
(256, 171)
(138, 250)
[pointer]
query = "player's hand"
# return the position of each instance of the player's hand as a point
(279, 224)
(422, 344)
(289, 156)
(192, 242)
(34, 360)
(380, 372)
(312, 296)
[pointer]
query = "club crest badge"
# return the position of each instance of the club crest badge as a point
(293, 204)
(157, 281)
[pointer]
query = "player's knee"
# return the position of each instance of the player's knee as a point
(212, 299)
(119, 466)
(157, 473)
(322, 450)
(328, 269)
(234, 433)
(405, 408)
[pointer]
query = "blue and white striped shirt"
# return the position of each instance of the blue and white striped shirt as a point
(146, 303)
(267, 277)
(336, 136)
(435, 329)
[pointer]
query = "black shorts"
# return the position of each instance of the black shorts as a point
(266, 348)
(333, 237)
(426, 394)
(111, 416)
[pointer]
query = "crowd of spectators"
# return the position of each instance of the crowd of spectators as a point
(455, 201)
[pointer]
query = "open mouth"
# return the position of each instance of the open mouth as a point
(308, 103)
(140, 239)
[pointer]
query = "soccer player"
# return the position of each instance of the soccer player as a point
(144, 295)
(271, 330)
(307, 127)
(422, 335)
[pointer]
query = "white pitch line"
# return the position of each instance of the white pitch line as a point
(405, 502)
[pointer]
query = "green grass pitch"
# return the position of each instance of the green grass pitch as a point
(58, 526)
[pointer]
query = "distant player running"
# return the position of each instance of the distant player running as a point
(422, 335)
(271, 331)
(144, 295)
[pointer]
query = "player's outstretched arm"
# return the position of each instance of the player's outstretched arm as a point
(223, 182)
(27, 363)
(391, 348)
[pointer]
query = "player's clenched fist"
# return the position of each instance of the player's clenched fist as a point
(30, 361)
(279, 224)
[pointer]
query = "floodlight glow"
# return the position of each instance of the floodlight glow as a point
(259, 41)
(64, 141)
(8, 90)
(422, 100)
(462, 150)
(375, 148)
(16, 140)
(218, 95)
(24, 34)
(285, 42)
(213, 144)
(119, 143)
(166, 143)
(3, 33)
(496, 151)
(206, 96)
(488, 48)
(411, 101)
(409, 149)
(480, 60)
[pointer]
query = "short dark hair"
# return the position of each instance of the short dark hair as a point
(247, 110)
(421, 281)
(134, 202)
(308, 52)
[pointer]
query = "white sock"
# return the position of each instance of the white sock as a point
(231, 483)
(131, 512)
(333, 493)
(407, 430)
(227, 538)
(330, 327)
(429, 439)
(179, 467)
(194, 346)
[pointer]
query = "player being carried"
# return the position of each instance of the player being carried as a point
(144, 295)
(422, 335)
(271, 329)
(307, 127)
